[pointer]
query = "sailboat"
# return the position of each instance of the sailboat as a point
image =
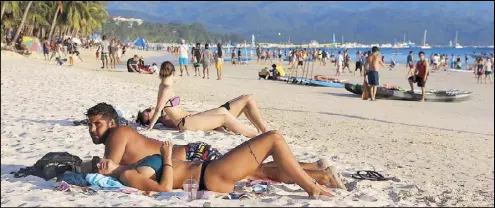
(457, 45)
(425, 46)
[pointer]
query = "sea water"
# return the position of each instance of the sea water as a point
(400, 54)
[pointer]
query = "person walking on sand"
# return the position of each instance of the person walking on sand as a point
(420, 75)
(488, 69)
(112, 52)
(479, 69)
(239, 55)
(196, 56)
(269, 55)
(103, 48)
(206, 59)
(233, 57)
(258, 54)
(183, 57)
(410, 64)
(374, 64)
(219, 61)
(347, 61)
(339, 63)
(279, 55)
(359, 64)
(46, 48)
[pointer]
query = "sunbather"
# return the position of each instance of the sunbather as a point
(162, 173)
(244, 104)
(125, 146)
(203, 121)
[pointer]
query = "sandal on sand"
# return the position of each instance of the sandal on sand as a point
(371, 175)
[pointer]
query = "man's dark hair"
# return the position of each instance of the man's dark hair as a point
(410, 52)
(374, 49)
(421, 52)
(106, 111)
(140, 117)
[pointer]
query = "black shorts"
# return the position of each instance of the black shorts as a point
(488, 72)
(300, 63)
(279, 56)
(359, 66)
(373, 79)
(418, 79)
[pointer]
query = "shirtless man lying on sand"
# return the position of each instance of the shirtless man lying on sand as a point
(124, 146)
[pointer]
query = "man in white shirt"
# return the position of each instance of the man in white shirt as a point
(183, 56)
(339, 63)
(436, 61)
(103, 47)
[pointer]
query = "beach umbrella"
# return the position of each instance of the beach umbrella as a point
(31, 43)
(76, 40)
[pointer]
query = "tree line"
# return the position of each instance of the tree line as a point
(165, 32)
(51, 18)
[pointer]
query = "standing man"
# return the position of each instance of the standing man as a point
(258, 54)
(183, 56)
(347, 60)
(420, 75)
(359, 64)
(239, 54)
(46, 48)
(103, 47)
(339, 63)
(410, 63)
(375, 63)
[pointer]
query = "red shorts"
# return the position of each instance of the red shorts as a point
(411, 66)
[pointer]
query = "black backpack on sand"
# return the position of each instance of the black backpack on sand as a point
(51, 165)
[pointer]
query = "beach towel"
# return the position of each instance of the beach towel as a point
(73, 178)
(103, 181)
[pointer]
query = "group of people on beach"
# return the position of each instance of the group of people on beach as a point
(150, 165)
(204, 57)
(61, 47)
(111, 51)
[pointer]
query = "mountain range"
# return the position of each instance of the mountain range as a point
(364, 22)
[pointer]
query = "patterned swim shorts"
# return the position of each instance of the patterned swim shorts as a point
(200, 151)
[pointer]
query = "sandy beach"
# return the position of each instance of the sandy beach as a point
(442, 153)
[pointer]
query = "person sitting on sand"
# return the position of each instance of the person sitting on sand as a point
(277, 71)
(169, 102)
(125, 146)
(132, 64)
(244, 104)
(264, 73)
(420, 75)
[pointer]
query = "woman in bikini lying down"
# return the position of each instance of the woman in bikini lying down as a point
(161, 173)
(169, 102)
(244, 104)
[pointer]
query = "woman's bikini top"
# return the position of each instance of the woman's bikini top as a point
(154, 162)
(174, 101)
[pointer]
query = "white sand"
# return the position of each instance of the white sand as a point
(441, 152)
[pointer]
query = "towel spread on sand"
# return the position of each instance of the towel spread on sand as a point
(103, 181)
(73, 178)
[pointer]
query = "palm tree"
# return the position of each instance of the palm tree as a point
(18, 32)
(59, 9)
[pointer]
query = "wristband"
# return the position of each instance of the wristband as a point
(168, 165)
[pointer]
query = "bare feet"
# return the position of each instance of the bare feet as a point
(334, 178)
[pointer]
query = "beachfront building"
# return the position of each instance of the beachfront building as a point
(130, 20)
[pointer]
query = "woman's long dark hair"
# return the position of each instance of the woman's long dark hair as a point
(219, 50)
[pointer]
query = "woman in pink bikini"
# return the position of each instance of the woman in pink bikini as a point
(203, 121)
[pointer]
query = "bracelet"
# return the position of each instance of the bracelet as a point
(168, 165)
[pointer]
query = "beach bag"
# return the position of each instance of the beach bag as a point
(51, 165)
